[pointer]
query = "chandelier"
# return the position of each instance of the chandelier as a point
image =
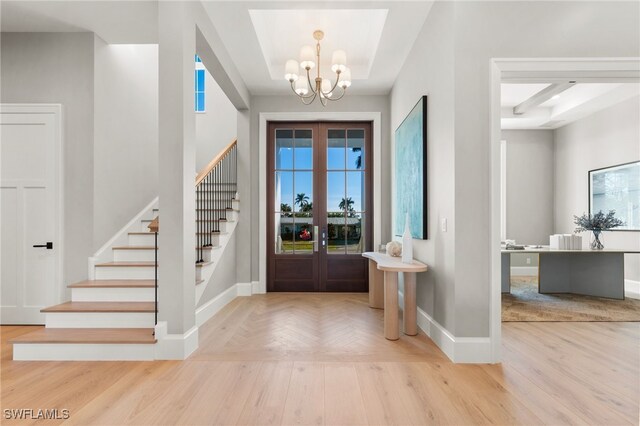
(305, 89)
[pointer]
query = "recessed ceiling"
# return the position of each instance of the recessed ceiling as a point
(579, 101)
(376, 35)
(279, 32)
(115, 22)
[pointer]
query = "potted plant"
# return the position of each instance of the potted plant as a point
(596, 224)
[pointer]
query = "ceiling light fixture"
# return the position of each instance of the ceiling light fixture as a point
(306, 90)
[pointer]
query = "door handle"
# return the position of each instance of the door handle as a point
(315, 239)
(48, 246)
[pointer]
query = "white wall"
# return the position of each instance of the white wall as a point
(58, 68)
(603, 139)
(225, 275)
(126, 134)
(429, 70)
(217, 126)
(460, 39)
(248, 237)
(530, 172)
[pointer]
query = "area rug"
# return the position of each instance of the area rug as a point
(526, 304)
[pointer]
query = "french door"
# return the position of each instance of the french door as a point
(319, 205)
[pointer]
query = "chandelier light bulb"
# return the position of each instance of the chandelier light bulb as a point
(307, 56)
(301, 87)
(339, 61)
(291, 70)
(345, 78)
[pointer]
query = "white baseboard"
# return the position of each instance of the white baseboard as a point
(476, 350)
(175, 346)
(524, 271)
(632, 289)
(213, 306)
(458, 349)
(244, 289)
(256, 288)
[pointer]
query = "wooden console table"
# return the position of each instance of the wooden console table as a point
(383, 291)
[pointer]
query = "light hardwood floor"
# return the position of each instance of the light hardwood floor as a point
(322, 359)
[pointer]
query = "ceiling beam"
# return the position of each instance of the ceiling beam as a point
(541, 97)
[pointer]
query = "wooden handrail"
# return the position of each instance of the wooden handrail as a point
(154, 226)
(214, 162)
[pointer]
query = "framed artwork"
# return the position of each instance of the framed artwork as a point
(411, 172)
(617, 188)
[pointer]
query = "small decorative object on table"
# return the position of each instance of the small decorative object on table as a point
(407, 242)
(596, 224)
(394, 249)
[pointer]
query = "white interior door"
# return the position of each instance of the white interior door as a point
(29, 211)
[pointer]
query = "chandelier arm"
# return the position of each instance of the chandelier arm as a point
(298, 95)
(313, 98)
(323, 101)
(339, 97)
(336, 83)
(310, 85)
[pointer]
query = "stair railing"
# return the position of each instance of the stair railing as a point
(216, 186)
(154, 227)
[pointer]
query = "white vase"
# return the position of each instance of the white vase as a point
(407, 242)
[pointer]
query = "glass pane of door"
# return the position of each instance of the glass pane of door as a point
(293, 191)
(345, 191)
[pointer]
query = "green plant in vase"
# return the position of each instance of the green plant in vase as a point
(597, 223)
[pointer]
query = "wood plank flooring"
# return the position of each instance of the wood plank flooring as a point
(322, 359)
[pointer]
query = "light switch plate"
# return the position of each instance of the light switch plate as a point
(444, 225)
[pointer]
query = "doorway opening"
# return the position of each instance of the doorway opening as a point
(555, 72)
(319, 205)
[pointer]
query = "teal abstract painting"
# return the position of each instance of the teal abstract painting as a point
(411, 173)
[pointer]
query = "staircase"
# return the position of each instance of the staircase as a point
(112, 315)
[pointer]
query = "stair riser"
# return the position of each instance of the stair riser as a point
(83, 352)
(134, 255)
(125, 273)
(100, 319)
(215, 240)
(146, 294)
(146, 255)
(142, 240)
(204, 271)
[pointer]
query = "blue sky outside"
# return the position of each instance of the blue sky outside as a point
(298, 155)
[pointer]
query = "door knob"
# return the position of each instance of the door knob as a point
(48, 246)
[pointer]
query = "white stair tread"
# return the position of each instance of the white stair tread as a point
(147, 248)
(113, 284)
(88, 336)
(101, 307)
(137, 264)
(126, 264)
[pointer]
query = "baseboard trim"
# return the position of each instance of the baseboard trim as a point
(256, 288)
(175, 346)
(462, 350)
(632, 289)
(524, 271)
(212, 307)
(244, 289)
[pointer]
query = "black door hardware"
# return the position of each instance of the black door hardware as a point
(49, 245)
